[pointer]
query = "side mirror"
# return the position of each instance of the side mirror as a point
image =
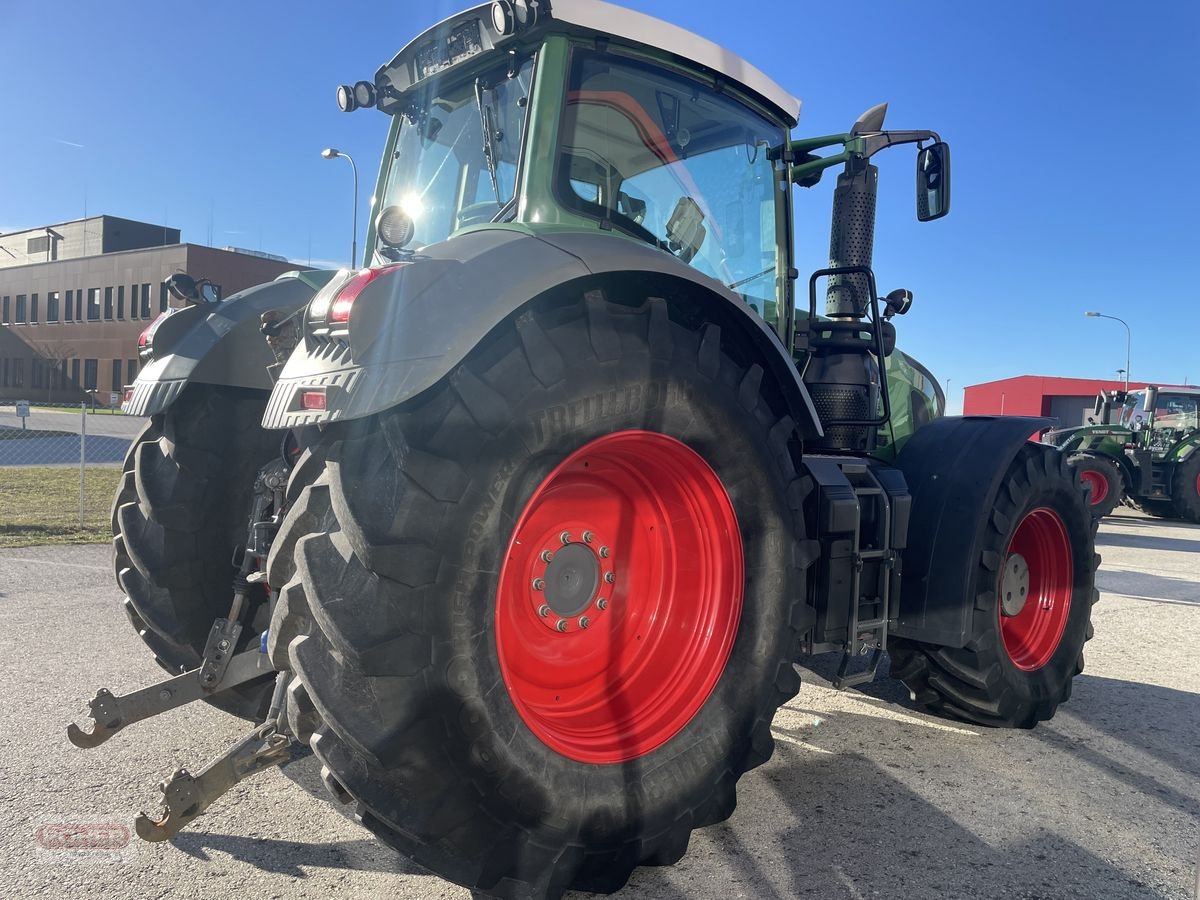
(933, 182)
(209, 292)
(183, 287)
(186, 288)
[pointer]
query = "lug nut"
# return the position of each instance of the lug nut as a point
(544, 611)
(561, 625)
(565, 537)
(604, 553)
(223, 645)
(547, 556)
(601, 603)
(609, 577)
(538, 584)
(587, 537)
(584, 621)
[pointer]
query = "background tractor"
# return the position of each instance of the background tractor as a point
(1141, 445)
(548, 497)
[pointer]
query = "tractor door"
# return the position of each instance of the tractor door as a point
(668, 160)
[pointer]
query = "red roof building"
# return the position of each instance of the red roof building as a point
(1067, 399)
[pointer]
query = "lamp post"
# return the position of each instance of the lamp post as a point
(1128, 340)
(331, 153)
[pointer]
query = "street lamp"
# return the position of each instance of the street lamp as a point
(1128, 340)
(331, 153)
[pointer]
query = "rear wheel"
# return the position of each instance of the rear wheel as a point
(1104, 480)
(541, 618)
(180, 512)
(1187, 487)
(1032, 589)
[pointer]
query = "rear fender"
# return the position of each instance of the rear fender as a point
(216, 343)
(411, 327)
(953, 467)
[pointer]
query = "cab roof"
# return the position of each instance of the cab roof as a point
(591, 16)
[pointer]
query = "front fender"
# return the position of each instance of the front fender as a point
(953, 467)
(216, 344)
(411, 327)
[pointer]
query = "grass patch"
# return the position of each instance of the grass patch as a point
(40, 505)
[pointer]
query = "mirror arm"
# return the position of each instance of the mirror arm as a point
(803, 173)
(863, 146)
(870, 144)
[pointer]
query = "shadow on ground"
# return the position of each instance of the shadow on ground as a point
(1138, 585)
(1146, 542)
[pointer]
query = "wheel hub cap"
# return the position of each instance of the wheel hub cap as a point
(1014, 585)
(572, 580)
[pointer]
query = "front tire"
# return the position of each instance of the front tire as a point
(1104, 479)
(512, 748)
(1031, 591)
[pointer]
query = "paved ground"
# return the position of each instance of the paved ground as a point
(69, 420)
(866, 797)
(108, 438)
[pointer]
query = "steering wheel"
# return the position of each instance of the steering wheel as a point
(477, 213)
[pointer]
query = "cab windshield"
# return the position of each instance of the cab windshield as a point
(1133, 404)
(679, 165)
(456, 155)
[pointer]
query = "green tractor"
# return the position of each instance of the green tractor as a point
(1141, 446)
(532, 515)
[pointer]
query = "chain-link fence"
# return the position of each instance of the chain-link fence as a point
(59, 468)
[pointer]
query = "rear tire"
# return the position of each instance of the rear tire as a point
(410, 556)
(180, 511)
(1037, 558)
(1186, 494)
(1104, 479)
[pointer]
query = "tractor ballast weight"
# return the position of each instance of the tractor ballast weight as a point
(215, 343)
(447, 314)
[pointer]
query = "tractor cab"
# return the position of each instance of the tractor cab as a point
(582, 117)
(519, 116)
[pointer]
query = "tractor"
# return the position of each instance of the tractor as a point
(1140, 446)
(522, 525)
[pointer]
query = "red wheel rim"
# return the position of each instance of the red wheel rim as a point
(620, 597)
(1035, 588)
(1198, 481)
(1098, 483)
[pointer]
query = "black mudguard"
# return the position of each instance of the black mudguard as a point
(953, 467)
(410, 327)
(216, 343)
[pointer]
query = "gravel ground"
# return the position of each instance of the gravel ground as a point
(866, 796)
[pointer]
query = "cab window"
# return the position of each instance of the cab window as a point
(674, 163)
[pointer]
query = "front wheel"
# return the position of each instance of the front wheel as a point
(1031, 592)
(543, 615)
(1104, 480)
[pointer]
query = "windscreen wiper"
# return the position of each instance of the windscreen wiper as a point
(489, 136)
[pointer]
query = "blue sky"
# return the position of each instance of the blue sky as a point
(1073, 128)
